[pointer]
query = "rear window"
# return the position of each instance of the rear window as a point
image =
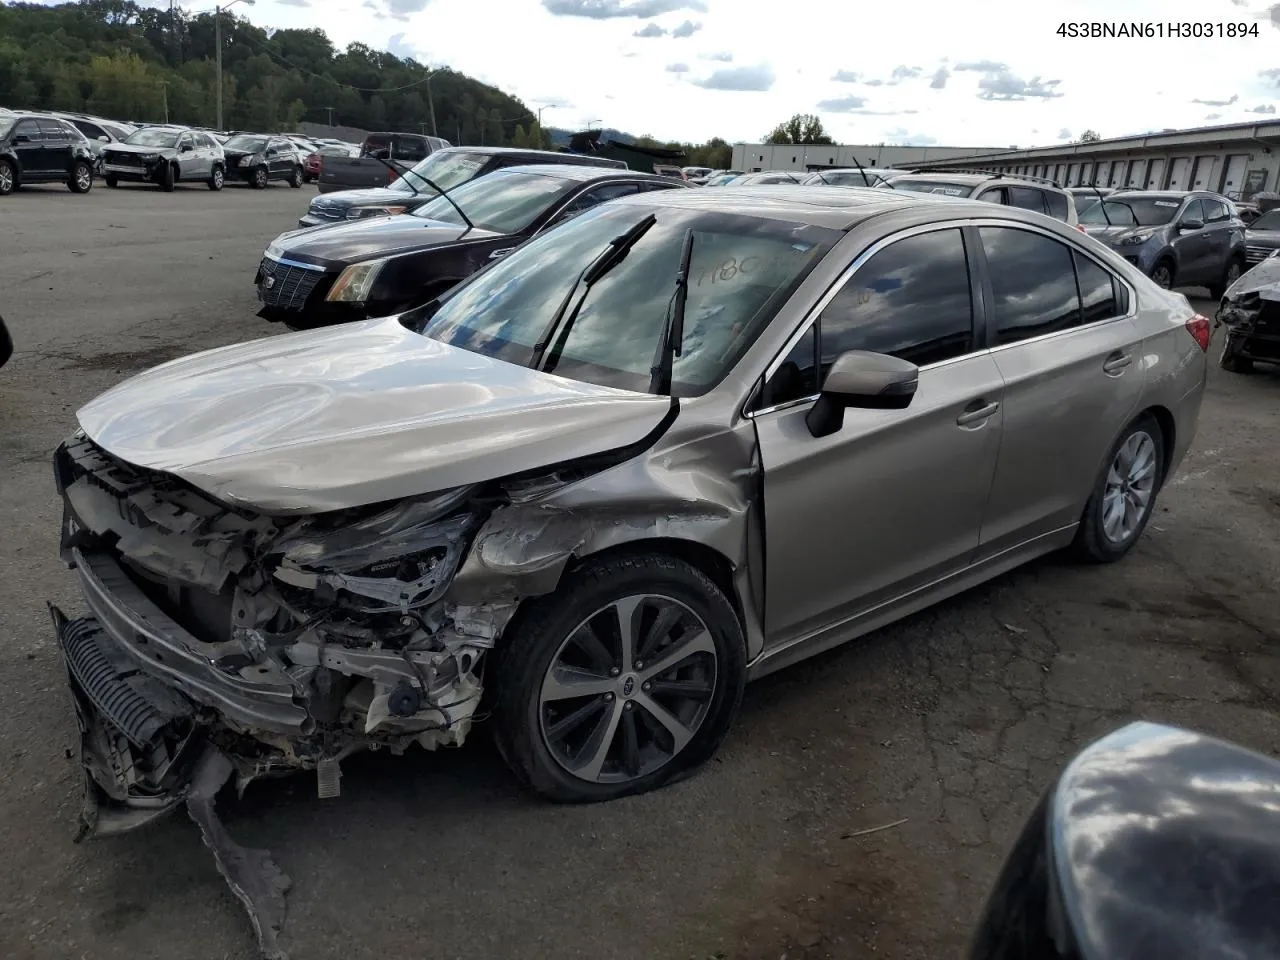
(947, 189)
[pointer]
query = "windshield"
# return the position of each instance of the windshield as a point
(742, 270)
(445, 168)
(153, 137)
(843, 178)
(948, 189)
(1268, 221)
(503, 202)
(247, 144)
(1131, 211)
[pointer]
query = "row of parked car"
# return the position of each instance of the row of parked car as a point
(39, 147)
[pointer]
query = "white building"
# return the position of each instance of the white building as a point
(798, 156)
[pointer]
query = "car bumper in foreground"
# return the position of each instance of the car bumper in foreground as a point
(147, 174)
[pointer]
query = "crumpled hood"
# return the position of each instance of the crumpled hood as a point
(139, 148)
(1264, 279)
(354, 415)
(357, 240)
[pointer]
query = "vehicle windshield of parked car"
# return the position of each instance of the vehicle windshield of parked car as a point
(151, 137)
(932, 186)
(741, 270)
(246, 144)
(503, 202)
(1268, 221)
(842, 178)
(1131, 211)
(446, 169)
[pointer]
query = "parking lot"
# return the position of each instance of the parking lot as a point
(945, 727)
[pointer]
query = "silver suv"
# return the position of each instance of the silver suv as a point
(1041, 196)
(165, 155)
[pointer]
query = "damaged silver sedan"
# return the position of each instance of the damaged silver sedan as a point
(681, 441)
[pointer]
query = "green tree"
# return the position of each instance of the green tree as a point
(1089, 136)
(801, 128)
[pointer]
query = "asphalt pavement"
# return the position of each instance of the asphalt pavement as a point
(947, 726)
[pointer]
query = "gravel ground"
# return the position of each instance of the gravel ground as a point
(953, 720)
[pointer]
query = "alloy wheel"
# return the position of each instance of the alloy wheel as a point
(84, 178)
(6, 178)
(260, 177)
(628, 689)
(1162, 276)
(1130, 486)
(217, 178)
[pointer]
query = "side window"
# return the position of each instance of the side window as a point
(185, 142)
(408, 148)
(1194, 211)
(651, 185)
(994, 195)
(797, 376)
(90, 130)
(28, 129)
(1028, 198)
(1057, 205)
(1098, 299)
(910, 300)
(1033, 282)
(53, 130)
(589, 199)
(1215, 211)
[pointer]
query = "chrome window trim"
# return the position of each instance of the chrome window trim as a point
(294, 263)
(815, 311)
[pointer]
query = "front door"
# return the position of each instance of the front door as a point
(28, 144)
(188, 161)
(1072, 367)
(1192, 246)
(895, 498)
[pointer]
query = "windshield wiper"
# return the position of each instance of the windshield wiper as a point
(396, 170)
(610, 257)
(878, 177)
(445, 193)
(671, 344)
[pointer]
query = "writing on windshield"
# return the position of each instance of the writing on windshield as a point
(444, 168)
(933, 186)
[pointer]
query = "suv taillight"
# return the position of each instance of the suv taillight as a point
(1201, 330)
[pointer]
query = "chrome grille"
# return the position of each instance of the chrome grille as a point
(281, 285)
(1255, 253)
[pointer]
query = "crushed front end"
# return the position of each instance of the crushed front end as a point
(1250, 310)
(285, 643)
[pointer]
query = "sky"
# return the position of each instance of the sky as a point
(993, 74)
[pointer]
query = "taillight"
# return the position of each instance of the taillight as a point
(1201, 330)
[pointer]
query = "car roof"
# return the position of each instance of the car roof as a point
(1167, 194)
(580, 172)
(839, 208)
(943, 176)
(507, 151)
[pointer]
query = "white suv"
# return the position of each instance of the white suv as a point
(1042, 196)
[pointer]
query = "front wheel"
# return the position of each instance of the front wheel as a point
(8, 179)
(308, 178)
(260, 178)
(217, 178)
(1162, 274)
(167, 178)
(295, 178)
(81, 177)
(1124, 495)
(624, 680)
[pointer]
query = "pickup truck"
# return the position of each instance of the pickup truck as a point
(401, 150)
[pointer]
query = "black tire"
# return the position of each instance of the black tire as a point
(1092, 543)
(1230, 274)
(8, 178)
(81, 177)
(111, 180)
(217, 177)
(260, 178)
(168, 177)
(308, 178)
(1162, 270)
(534, 638)
(295, 178)
(1231, 361)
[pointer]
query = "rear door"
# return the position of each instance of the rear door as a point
(1069, 356)
(279, 158)
(1221, 230)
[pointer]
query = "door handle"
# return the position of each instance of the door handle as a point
(977, 412)
(1117, 362)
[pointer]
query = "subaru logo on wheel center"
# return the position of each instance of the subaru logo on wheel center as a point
(628, 686)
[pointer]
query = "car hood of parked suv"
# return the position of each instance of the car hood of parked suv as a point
(346, 199)
(139, 148)
(354, 415)
(358, 240)
(1115, 234)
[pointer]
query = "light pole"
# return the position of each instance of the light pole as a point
(217, 42)
(545, 106)
(431, 103)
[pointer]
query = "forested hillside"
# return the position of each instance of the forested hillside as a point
(118, 59)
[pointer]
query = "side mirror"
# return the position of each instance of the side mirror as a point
(186, 148)
(872, 381)
(1192, 224)
(104, 139)
(1154, 842)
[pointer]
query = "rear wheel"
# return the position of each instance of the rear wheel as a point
(295, 178)
(217, 177)
(1230, 275)
(260, 178)
(8, 179)
(1162, 274)
(626, 679)
(1124, 495)
(81, 177)
(168, 177)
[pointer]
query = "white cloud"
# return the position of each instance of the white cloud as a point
(993, 93)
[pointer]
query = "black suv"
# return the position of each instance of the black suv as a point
(1178, 238)
(36, 148)
(258, 159)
